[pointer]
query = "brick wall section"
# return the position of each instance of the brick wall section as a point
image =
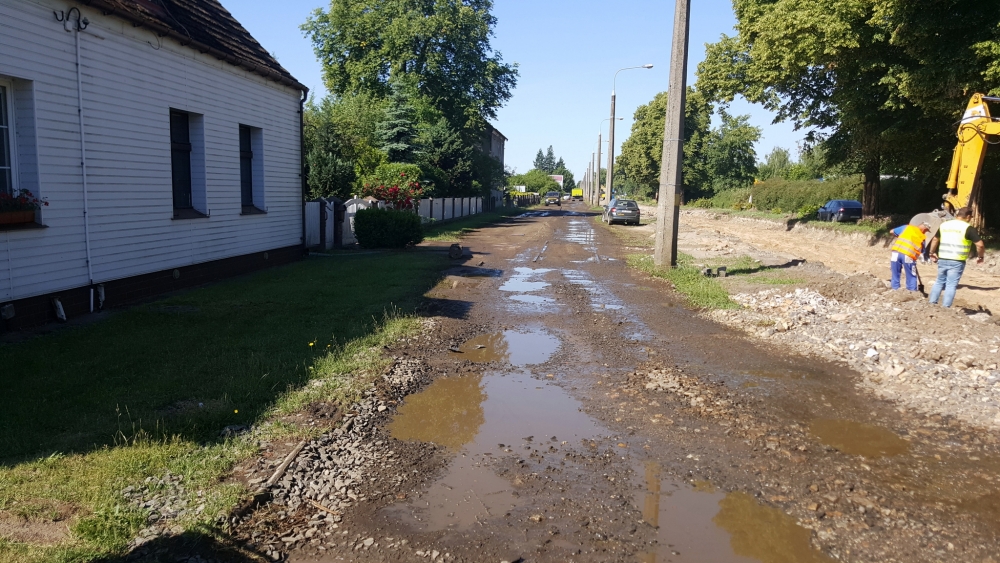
(35, 311)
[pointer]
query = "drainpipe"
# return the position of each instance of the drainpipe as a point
(80, 24)
(302, 161)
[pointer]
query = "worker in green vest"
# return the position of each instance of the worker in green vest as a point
(950, 249)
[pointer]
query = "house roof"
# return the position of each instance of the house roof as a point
(203, 25)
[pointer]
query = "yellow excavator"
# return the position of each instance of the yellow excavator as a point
(967, 162)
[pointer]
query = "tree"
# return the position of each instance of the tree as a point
(441, 48)
(397, 131)
(729, 153)
(873, 77)
(447, 160)
(642, 152)
(546, 161)
(339, 138)
(775, 165)
(534, 180)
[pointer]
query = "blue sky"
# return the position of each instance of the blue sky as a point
(568, 52)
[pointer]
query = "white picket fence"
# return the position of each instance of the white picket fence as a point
(431, 209)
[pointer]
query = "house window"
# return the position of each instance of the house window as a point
(187, 165)
(251, 170)
(180, 160)
(7, 183)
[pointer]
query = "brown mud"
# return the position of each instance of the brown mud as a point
(578, 411)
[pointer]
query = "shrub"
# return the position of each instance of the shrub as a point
(809, 211)
(396, 183)
(732, 199)
(387, 228)
(777, 193)
(702, 203)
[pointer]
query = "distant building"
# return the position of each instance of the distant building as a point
(493, 143)
(170, 157)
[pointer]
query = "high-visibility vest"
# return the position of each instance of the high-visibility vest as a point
(910, 242)
(954, 245)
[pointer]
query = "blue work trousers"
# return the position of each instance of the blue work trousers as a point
(949, 272)
(900, 263)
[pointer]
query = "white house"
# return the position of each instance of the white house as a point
(166, 141)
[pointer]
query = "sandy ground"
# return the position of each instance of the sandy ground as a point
(848, 254)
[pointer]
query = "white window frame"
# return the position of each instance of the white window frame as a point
(8, 87)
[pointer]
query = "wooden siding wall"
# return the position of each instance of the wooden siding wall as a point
(131, 79)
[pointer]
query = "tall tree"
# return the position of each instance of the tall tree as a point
(447, 160)
(729, 153)
(873, 76)
(397, 131)
(440, 47)
(539, 163)
(550, 160)
(642, 152)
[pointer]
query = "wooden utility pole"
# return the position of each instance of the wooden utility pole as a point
(671, 170)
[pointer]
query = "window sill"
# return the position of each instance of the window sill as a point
(23, 227)
(188, 214)
(252, 210)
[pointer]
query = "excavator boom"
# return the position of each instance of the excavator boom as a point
(967, 162)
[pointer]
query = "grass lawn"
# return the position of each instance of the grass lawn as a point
(88, 411)
(701, 291)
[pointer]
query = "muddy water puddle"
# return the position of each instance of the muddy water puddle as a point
(478, 417)
(857, 438)
(526, 280)
(519, 348)
(697, 524)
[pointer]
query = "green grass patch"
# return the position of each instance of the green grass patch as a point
(454, 230)
(701, 291)
(88, 411)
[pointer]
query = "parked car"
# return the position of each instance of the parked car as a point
(839, 210)
(554, 198)
(621, 211)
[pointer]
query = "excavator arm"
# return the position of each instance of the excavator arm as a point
(967, 162)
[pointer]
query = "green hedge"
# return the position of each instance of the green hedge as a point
(791, 196)
(387, 228)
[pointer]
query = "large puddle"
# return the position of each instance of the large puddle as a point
(520, 348)
(474, 416)
(525, 280)
(449, 412)
(856, 438)
(697, 524)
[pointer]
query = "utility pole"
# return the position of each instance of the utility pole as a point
(671, 170)
(611, 129)
(597, 196)
(611, 147)
(593, 179)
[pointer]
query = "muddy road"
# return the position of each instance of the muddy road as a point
(561, 407)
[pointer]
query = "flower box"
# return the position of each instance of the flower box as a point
(16, 217)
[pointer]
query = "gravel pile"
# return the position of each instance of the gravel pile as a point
(924, 357)
(329, 474)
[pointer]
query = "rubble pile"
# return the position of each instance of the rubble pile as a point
(331, 472)
(922, 356)
(692, 391)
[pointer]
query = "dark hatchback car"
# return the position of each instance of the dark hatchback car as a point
(621, 211)
(840, 210)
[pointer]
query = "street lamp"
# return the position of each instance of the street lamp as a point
(598, 176)
(611, 128)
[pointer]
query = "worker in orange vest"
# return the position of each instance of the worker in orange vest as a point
(909, 244)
